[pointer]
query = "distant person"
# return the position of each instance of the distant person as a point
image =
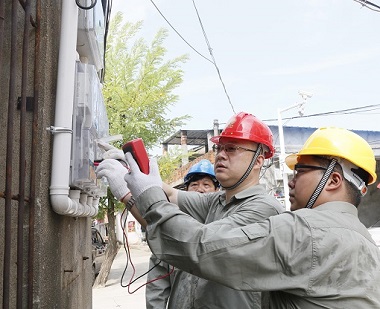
(317, 256)
(201, 178)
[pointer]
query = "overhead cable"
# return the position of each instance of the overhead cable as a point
(208, 44)
(369, 5)
(107, 18)
(354, 110)
(213, 58)
(179, 33)
(92, 5)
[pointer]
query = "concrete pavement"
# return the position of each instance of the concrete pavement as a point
(113, 295)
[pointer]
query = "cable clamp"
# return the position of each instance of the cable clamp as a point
(54, 130)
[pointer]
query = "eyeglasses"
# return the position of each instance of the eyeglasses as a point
(229, 148)
(304, 168)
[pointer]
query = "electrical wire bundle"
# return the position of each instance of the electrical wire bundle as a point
(129, 260)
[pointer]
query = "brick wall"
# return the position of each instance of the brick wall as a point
(176, 179)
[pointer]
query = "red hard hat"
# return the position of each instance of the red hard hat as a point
(245, 126)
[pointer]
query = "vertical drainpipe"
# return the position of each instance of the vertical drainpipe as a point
(62, 130)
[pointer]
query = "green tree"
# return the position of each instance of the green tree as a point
(139, 84)
(169, 162)
(138, 91)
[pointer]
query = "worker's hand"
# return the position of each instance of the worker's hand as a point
(138, 182)
(111, 152)
(114, 171)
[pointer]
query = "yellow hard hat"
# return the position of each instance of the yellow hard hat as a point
(341, 143)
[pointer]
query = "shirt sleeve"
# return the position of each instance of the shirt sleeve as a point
(257, 257)
(195, 204)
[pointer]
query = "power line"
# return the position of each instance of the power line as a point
(354, 110)
(213, 61)
(369, 5)
(107, 18)
(212, 56)
(179, 33)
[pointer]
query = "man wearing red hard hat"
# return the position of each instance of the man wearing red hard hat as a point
(240, 151)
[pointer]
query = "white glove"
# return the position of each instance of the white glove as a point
(139, 182)
(111, 152)
(114, 171)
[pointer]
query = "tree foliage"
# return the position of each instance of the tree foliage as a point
(139, 84)
(170, 162)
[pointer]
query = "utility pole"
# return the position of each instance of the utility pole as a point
(300, 107)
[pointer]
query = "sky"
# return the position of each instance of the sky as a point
(267, 52)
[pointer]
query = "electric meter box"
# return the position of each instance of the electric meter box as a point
(91, 32)
(90, 123)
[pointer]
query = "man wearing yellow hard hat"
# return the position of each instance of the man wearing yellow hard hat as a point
(334, 150)
(317, 256)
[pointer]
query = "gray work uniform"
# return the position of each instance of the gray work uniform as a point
(157, 292)
(188, 291)
(310, 258)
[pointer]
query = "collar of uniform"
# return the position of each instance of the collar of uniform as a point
(338, 206)
(251, 191)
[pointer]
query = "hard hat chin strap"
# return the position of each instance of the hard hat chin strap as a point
(249, 169)
(321, 184)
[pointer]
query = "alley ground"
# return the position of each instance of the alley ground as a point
(113, 295)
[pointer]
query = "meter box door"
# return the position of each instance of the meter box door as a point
(89, 124)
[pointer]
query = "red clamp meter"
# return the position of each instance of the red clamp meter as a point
(137, 149)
